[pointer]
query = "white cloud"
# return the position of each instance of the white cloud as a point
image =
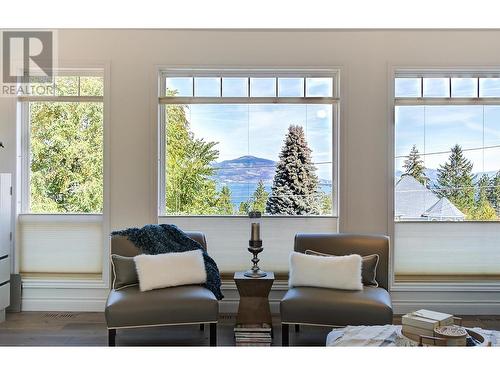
(321, 113)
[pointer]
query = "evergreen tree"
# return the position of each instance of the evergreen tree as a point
(257, 202)
(455, 181)
(189, 187)
(494, 193)
(483, 209)
(224, 205)
(244, 208)
(326, 203)
(259, 198)
(414, 166)
(295, 185)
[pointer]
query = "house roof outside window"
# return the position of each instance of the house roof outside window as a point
(414, 201)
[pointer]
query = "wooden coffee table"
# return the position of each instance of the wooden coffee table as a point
(254, 299)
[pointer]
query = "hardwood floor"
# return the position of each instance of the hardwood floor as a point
(89, 329)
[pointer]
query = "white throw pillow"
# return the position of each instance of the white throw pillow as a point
(340, 272)
(171, 269)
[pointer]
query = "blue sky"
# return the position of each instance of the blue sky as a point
(259, 129)
(435, 129)
(259, 87)
(440, 87)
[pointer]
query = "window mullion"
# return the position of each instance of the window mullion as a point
(246, 100)
(445, 101)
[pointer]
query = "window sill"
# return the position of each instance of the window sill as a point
(67, 218)
(446, 222)
(265, 217)
(447, 286)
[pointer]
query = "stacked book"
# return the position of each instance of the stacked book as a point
(253, 334)
(423, 323)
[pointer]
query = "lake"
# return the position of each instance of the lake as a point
(241, 191)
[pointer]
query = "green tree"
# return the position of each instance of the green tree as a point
(189, 186)
(257, 202)
(326, 203)
(483, 209)
(494, 193)
(295, 185)
(414, 166)
(244, 208)
(259, 198)
(455, 181)
(66, 145)
(224, 206)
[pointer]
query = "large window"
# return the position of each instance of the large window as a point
(63, 145)
(61, 180)
(234, 142)
(447, 173)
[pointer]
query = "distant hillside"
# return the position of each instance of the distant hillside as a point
(247, 169)
(432, 174)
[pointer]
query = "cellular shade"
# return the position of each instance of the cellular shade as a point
(61, 246)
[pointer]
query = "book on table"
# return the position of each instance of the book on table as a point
(427, 320)
(252, 328)
(253, 334)
(433, 315)
(423, 323)
(417, 331)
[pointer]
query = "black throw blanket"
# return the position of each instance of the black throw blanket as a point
(166, 238)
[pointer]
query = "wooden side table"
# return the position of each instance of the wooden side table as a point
(254, 303)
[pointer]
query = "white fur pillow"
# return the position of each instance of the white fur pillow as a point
(172, 269)
(341, 272)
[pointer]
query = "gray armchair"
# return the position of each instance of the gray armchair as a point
(337, 308)
(188, 304)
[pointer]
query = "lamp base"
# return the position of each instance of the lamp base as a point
(255, 274)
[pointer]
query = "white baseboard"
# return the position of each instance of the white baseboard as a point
(458, 308)
(452, 307)
(64, 304)
(458, 302)
(73, 295)
(58, 297)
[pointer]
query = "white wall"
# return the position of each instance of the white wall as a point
(363, 55)
(228, 239)
(364, 58)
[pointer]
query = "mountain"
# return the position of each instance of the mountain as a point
(246, 169)
(433, 175)
(249, 169)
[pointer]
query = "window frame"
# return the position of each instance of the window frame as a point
(24, 155)
(448, 284)
(437, 101)
(76, 281)
(277, 73)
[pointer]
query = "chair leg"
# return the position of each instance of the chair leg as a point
(213, 334)
(297, 328)
(202, 327)
(284, 335)
(111, 337)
